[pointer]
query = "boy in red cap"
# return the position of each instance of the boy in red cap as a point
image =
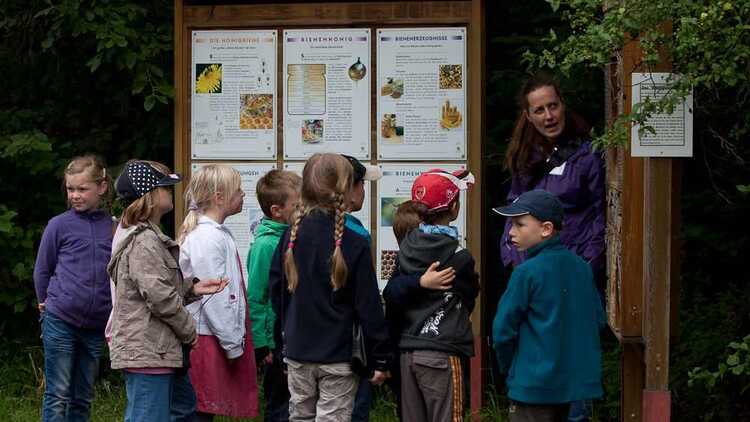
(435, 323)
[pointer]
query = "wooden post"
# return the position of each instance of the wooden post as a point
(657, 268)
(476, 51)
(643, 228)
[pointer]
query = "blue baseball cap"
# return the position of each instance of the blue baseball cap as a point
(538, 203)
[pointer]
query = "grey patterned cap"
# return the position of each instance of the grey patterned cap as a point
(139, 178)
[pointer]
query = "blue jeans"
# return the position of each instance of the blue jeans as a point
(159, 398)
(580, 411)
(362, 401)
(71, 362)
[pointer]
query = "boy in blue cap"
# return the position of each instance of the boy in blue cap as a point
(546, 329)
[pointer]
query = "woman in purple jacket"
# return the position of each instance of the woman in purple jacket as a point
(72, 288)
(550, 149)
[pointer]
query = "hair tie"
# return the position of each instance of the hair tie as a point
(192, 206)
(290, 245)
(338, 242)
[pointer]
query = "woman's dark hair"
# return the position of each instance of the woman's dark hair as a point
(525, 138)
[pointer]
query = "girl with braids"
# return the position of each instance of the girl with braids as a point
(322, 281)
(223, 365)
(72, 288)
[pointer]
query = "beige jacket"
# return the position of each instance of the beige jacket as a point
(149, 319)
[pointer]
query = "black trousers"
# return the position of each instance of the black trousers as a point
(524, 412)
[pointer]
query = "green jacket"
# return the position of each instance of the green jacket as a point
(267, 237)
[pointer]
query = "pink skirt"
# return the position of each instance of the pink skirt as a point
(224, 387)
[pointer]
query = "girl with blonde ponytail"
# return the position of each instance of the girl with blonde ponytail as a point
(223, 365)
(322, 281)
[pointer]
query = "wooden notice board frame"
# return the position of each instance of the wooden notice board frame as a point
(280, 15)
(643, 221)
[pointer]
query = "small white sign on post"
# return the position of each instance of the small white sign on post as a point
(674, 131)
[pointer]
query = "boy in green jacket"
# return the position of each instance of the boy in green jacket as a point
(546, 330)
(278, 194)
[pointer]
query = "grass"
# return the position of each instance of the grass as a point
(109, 405)
(22, 388)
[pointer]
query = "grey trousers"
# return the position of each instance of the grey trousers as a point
(321, 392)
(524, 412)
(432, 387)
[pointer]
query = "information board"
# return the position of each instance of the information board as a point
(363, 215)
(421, 89)
(233, 95)
(243, 224)
(327, 92)
(394, 188)
(674, 131)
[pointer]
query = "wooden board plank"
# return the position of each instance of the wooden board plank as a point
(631, 293)
(180, 143)
(632, 372)
(656, 269)
(475, 131)
(336, 14)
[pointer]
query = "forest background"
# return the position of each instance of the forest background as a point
(96, 76)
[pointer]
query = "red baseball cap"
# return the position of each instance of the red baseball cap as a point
(437, 188)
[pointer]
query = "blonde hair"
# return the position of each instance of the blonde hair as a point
(200, 193)
(93, 166)
(274, 188)
(144, 207)
(326, 181)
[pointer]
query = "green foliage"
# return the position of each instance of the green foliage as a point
(130, 37)
(708, 46)
(82, 76)
(737, 363)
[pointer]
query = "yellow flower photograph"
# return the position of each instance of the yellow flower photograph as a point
(208, 79)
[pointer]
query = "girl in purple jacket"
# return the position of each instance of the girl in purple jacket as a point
(550, 149)
(72, 288)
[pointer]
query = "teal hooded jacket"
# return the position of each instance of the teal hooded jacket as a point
(546, 329)
(267, 237)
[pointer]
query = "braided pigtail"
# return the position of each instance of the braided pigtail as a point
(290, 267)
(339, 271)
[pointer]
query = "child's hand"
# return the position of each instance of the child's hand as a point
(437, 280)
(40, 307)
(379, 377)
(210, 286)
(268, 359)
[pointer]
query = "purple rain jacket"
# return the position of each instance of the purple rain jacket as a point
(579, 183)
(70, 274)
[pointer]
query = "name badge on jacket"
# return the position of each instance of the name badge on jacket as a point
(558, 171)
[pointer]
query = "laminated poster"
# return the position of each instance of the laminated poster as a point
(326, 92)
(674, 131)
(233, 95)
(363, 215)
(243, 224)
(394, 188)
(421, 90)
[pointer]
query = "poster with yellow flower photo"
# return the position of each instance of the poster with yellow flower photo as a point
(208, 78)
